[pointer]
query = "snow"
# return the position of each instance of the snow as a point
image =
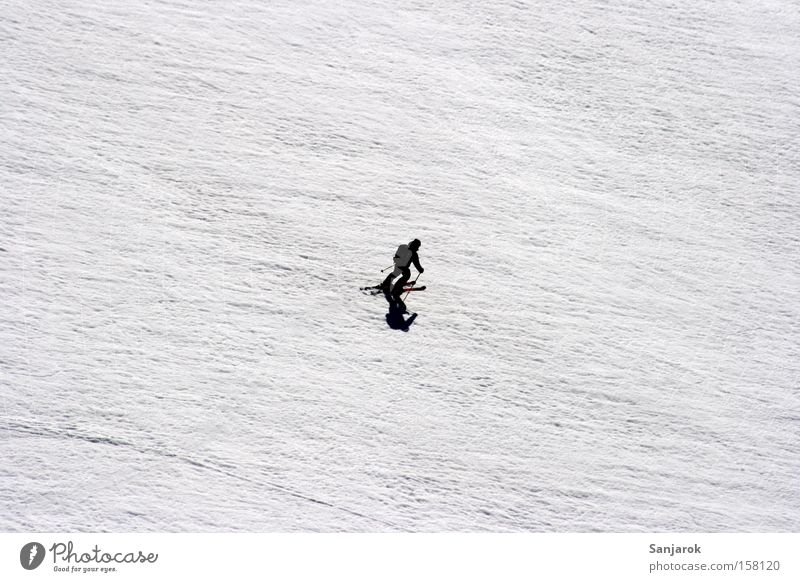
(608, 202)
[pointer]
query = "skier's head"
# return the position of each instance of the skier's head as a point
(414, 244)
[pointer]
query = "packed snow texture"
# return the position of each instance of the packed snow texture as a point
(608, 200)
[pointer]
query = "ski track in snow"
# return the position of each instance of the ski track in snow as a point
(608, 202)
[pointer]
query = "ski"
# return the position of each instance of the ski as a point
(376, 290)
(406, 286)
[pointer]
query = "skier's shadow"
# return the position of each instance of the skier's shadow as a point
(396, 317)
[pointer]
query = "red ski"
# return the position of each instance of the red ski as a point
(376, 290)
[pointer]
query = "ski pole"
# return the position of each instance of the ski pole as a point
(387, 268)
(414, 282)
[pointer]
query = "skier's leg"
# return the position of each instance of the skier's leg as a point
(401, 282)
(397, 290)
(387, 282)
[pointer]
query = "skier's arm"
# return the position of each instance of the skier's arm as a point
(415, 260)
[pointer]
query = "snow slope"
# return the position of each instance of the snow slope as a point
(608, 201)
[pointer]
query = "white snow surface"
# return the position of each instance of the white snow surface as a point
(608, 198)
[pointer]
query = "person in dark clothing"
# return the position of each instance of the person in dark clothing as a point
(406, 255)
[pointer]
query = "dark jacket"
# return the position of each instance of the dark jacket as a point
(415, 260)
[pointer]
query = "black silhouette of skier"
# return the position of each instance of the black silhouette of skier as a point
(406, 255)
(397, 320)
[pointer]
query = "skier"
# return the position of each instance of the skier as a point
(405, 255)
